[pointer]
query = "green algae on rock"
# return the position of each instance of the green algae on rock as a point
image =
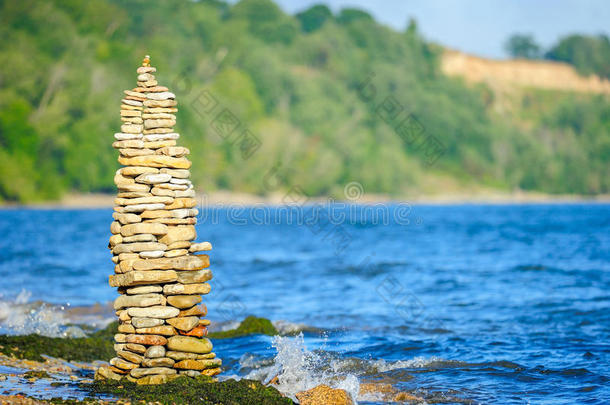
(251, 325)
(184, 390)
(97, 346)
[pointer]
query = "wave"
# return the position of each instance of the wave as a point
(20, 316)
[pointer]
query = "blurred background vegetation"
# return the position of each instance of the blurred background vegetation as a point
(293, 81)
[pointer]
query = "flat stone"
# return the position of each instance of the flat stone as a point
(142, 277)
(132, 102)
(126, 265)
(157, 131)
(200, 247)
(138, 247)
(211, 372)
(149, 124)
(104, 373)
(192, 262)
(156, 214)
(184, 193)
(198, 364)
(163, 191)
(192, 277)
(177, 151)
(154, 352)
(141, 372)
(115, 240)
(181, 181)
(141, 300)
(115, 227)
(136, 348)
(126, 328)
(126, 218)
(164, 330)
(144, 69)
(184, 212)
(176, 253)
(166, 95)
(122, 364)
(160, 137)
(119, 136)
(198, 310)
(143, 207)
(156, 161)
(206, 356)
(158, 362)
(183, 301)
(146, 322)
(189, 373)
(174, 187)
(160, 103)
(144, 200)
(153, 178)
(158, 116)
(181, 202)
(145, 289)
(152, 254)
(144, 228)
(148, 340)
(137, 170)
(176, 173)
(181, 244)
(161, 312)
(184, 323)
(160, 144)
(132, 128)
(121, 337)
(174, 221)
(123, 316)
(178, 356)
(199, 331)
(178, 233)
(153, 379)
(174, 289)
(130, 356)
(119, 346)
(142, 237)
(189, 344)
(135, 187)
(135, 152)
(133, 143)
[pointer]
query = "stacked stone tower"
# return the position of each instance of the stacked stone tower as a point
(159, 271)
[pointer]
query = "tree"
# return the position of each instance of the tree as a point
(522, 46)
(314, 17)
(587, 54)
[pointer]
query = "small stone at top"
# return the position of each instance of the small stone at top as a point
(146, 61)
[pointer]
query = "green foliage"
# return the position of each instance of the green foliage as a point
(295, 83)
(522, 46)
(314, 17)
(590, 55)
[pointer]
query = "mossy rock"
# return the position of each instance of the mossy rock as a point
(186, 390)
(97, 346)
(251, 325)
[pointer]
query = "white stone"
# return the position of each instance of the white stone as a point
(160, 137)
(154, 254)
(164, 95)
(153, 178)
(120, 136)
(144, 207)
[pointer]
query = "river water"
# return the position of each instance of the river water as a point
(458, 303)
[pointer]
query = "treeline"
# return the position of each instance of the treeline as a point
(588, 54)
(319, 99)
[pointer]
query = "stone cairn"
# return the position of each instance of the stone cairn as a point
(159, 276)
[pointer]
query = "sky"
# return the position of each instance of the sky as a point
(481, 27)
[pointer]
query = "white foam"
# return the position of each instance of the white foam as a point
(21, 317)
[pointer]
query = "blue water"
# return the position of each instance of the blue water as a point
(474, 303)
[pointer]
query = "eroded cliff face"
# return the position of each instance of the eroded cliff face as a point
(504, 74)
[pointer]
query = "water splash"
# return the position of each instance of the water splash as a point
(21, 317)
(299, 369)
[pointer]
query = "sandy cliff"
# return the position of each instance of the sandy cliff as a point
(522, 73)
